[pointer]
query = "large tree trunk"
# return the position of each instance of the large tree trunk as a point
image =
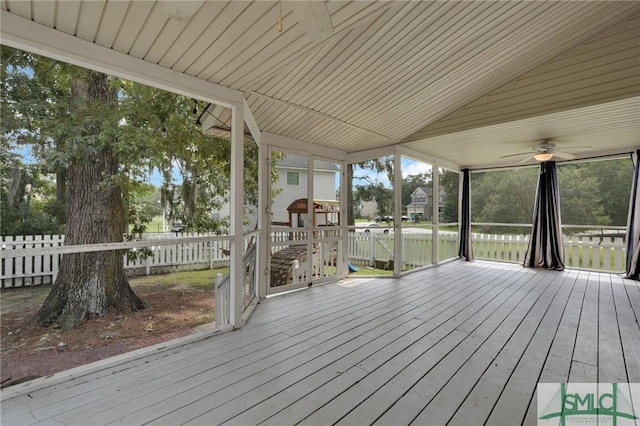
(90, 283)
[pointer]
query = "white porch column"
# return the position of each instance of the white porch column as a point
(264, 218)
(236, 273)
(311, 218)
(435, 220)
(344, 230)
(459, 217)
(397, 212)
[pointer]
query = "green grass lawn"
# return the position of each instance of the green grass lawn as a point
(369, 271)
(203, 279)
(154, 226)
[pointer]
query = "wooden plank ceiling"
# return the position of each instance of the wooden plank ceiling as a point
(360, 75)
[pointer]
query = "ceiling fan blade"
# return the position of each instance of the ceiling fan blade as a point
(577, 148)
(564, 155)
(515, 155)
(526, 159)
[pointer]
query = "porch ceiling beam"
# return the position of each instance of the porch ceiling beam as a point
(319, 114)
(298, 146)
(415, 155)
(370, 154)
(251, 123)
(29, 36)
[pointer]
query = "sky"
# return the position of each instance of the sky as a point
(409, 168)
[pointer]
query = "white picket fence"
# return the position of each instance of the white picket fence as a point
(588, 252)
(30, 270)
(373, 249)
(585, 251)
(33, 270)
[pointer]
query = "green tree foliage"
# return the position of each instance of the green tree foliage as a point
(613, 184)
(35, 116)
(450, 184)
(505, 196)
(26, 203)
(580, 204)
(203, 163)
(374, 191)
(36, 107)
(591, 193)
(103, 136)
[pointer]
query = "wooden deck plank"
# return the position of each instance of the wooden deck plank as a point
(558, 363)
(611, 365)
(491, 342)
(584, 365)
(629, 327)
(480, 402)
(446, 403)
(280, 377)
(633, 293)
(516, 397)
(418, 339)
(394, 391)
(465, 342)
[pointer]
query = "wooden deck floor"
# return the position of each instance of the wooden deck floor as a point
(463, 343)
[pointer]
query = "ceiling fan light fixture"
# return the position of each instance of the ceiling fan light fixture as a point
(543, 156)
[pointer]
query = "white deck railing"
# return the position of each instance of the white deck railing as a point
(591, 250)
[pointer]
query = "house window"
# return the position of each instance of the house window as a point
(293, 178)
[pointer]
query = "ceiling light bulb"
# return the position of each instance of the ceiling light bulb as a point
(543, 156)
(164, 131)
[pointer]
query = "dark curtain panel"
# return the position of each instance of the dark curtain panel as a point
(633, 225)
(465, 250)
(545, 245)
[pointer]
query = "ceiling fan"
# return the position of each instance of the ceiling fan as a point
(545, 150)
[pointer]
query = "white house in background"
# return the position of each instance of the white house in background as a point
(291, 184)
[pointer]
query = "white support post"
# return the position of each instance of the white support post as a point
(435, 215)
(344, 231)
(264, 218)
(310, 225)
(237, 206)
(397, 212)
(460, 185)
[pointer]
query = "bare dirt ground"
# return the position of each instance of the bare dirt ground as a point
(29, 352)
